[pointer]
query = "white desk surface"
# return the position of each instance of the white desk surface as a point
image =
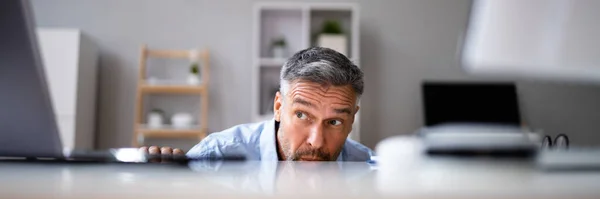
(422, 178)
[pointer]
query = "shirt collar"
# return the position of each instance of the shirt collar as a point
(340, 156)
(268, 144)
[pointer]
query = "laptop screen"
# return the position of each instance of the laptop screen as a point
(494, 103)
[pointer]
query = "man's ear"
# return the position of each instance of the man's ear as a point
(354, 115)
(277, 105)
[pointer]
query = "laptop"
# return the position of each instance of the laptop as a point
(27, 124)
(28, 128)
(474, 119)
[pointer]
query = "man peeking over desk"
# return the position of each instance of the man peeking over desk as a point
(314, 111)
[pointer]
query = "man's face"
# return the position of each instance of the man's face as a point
(315, 120)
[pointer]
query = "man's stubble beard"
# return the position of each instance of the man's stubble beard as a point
(290, 156)
(283, 143)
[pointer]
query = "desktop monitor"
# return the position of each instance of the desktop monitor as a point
(548, 40)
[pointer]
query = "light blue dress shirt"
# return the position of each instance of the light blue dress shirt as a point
(257, 142)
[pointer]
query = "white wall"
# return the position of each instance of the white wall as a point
(403, 42)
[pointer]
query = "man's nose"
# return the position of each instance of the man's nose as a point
(316, 138)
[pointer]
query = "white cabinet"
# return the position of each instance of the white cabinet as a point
(70, 60)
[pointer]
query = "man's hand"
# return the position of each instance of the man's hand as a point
(154, 150)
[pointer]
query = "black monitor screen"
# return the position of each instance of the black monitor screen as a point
(494, 103)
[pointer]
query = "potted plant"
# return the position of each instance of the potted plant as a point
(194, 75)
(278, 48)
(155, 118)
(332, 36)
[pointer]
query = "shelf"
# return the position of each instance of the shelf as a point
(171, 132)
(278, 62)
(272, 62)
(152, 84)
(343, 16)
(268, 87)
(299, 24)
(333, 7)
(281, 24)
(183, 54)
(180, 89)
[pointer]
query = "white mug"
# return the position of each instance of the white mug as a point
(155, 120)
(181, 120)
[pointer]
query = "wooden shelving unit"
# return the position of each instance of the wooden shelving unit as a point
(183, 89)
(143, 89)
(172, 133)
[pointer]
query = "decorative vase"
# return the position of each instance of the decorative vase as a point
(336, 42)
(152, 81)
(155, 120)
(278, 52)
(193, 79)
(181, 121)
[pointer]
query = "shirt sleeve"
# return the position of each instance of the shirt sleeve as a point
(357, 151)
(218, 145)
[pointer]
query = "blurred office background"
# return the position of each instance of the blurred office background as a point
(402, 44)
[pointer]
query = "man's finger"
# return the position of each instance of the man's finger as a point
(143, 149)
(154, 150)
(166, 150)
(178, 152)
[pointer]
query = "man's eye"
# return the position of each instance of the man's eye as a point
(301, 115)
(335, 122)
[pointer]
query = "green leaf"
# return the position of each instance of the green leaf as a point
(278, 42)
(194, 68)
(157, 111)
(332, 27)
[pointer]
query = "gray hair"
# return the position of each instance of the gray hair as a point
(324, 66)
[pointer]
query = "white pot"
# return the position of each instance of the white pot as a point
(335, 42)
(152, 81)
(193, 79)
(155, 120)
(182, 121)
(278, 52)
